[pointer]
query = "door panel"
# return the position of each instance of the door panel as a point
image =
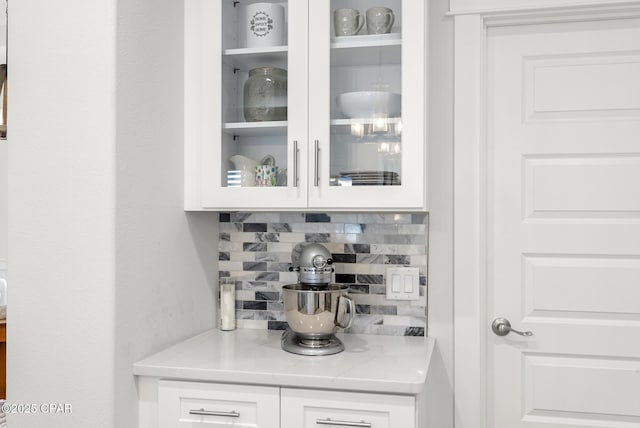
(368, 158)
(563, 253)
(591, 287)
(579, 186)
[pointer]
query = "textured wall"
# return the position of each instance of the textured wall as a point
(255, 249)
(61, 200)
(164, 281)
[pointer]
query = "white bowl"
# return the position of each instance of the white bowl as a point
(365, 104)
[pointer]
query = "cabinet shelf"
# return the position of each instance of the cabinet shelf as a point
(247, 58)
(366, 49)
(365, 121)
(368, 129)
(256, 129)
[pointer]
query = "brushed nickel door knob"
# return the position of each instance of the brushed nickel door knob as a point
(502, 327)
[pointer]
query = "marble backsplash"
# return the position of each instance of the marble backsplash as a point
(255, 250)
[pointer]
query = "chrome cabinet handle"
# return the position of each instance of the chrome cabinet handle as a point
(316, 179)
(203, 412)
(295, 163)
(361, 424)
(502, 327)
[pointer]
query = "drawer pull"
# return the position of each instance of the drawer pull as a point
(203, 412)
(361, 424)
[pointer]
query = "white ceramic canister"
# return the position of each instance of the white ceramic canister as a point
(265, 25)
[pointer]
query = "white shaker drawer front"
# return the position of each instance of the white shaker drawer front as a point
(332, 409)
(194, 404)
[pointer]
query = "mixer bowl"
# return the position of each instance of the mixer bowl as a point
(317, 312)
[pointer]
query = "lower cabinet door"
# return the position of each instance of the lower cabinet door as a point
(195, 404)
(302, 408)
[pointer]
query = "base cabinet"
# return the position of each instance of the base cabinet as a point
(200, 404)
(317, 409)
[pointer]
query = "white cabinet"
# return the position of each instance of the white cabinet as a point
(195, 404)
(313, 408)
(327, 156)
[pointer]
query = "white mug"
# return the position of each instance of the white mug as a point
(380, 20)
(264, 25)
(266, 175)
(347, 22)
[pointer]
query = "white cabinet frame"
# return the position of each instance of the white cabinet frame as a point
(308, 117)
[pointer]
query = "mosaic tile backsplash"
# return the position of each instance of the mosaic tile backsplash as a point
(255, 249)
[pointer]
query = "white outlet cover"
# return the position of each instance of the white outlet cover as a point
(407, 283)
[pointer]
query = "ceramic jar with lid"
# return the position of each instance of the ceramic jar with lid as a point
(265, 94)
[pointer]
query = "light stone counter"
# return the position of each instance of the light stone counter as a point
(371, 363)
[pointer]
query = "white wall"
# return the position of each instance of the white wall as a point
(105, 267)
(166, 260)
(440, 306)
(61, 313)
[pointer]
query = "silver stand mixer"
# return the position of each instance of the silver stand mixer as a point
(314, 307)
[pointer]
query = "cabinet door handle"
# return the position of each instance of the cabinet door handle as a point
(316, 179)
(203, 412)
(295, 163)
(361, 424)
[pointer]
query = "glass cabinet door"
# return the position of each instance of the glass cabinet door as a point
(250, 156)
(305, 104)
(367, 138)
(254, 94)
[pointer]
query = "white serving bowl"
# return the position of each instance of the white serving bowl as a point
(365, 104)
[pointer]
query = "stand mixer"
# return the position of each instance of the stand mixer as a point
(314, 307)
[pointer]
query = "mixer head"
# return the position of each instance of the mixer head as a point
(313, 263)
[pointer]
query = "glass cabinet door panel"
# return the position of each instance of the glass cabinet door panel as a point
(365, 91)
(253, 150)
(367, 114)
(245, 132)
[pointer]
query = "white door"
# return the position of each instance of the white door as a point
(563, 224)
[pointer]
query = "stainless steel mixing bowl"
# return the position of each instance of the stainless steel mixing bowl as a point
(317, 312)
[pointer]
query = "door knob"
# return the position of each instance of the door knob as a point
(502, 327)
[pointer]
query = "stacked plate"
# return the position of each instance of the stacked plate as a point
(368, 178)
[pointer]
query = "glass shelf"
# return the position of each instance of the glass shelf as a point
(365, 121)
(367, 40)
(256, 129)
(248, 58)
(366, 49)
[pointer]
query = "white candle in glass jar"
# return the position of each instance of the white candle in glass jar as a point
(227, 304)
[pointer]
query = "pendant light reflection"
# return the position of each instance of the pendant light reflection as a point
(391, 148)
(371, 131)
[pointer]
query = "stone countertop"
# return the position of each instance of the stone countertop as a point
(371, 363)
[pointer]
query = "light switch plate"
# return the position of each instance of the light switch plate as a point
(403, 283)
